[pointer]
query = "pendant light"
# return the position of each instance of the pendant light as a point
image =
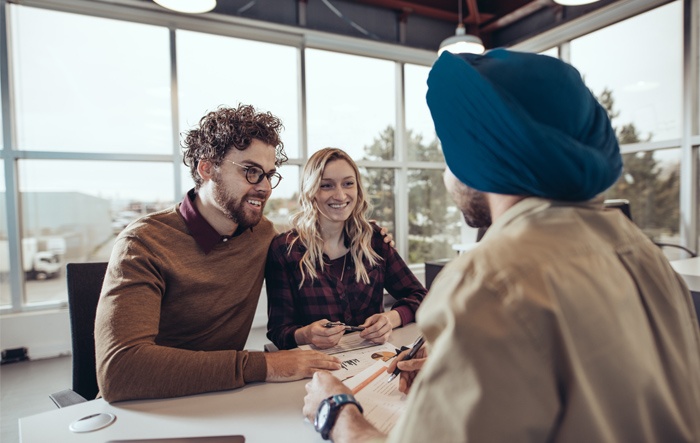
(188, 6)
(461, 42)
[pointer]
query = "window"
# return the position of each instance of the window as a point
(379, 185)
(434, 222)
(215, 70)
(351, 104)
(423, 144)
(73, 209)
(5, 298)
(650, 181)
(96, 94)
(283, 202)
(552, 52)
(94, 144)
(643, 79)
(640, 86)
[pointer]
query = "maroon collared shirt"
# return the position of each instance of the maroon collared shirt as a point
(351, 302)
(204, 234)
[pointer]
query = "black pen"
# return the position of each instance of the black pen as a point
(412, 353)
(331, 324)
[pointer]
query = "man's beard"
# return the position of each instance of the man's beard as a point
(475, 208)
(234, 209)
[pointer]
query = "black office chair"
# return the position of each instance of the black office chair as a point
(624, 206)
(620, 203)
(84, 286)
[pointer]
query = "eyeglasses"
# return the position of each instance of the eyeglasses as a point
(255, 175)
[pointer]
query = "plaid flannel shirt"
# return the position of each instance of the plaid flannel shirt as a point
(349, 301)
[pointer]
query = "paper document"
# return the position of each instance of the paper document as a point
(348, 342)
(355, 361)
(382, 402)
(356, 354)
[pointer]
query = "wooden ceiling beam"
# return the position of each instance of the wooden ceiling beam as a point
(518, 14)
(407, 6)
(427, 11)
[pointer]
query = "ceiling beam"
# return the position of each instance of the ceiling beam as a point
(407, 6)
(518, 14)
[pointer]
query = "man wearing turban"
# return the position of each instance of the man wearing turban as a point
(566, 323)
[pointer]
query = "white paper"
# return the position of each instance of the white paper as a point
(354, 362)
(382, 402)
(348, 342)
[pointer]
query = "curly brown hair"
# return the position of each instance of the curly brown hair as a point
(227, 128)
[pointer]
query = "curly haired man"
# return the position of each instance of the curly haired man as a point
(182, 284)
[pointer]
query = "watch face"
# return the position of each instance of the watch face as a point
(322, 414)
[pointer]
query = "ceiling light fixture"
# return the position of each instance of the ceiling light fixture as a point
(461, 42)
(574, 2)
(188, 6)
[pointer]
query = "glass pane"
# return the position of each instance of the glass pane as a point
(5, 297)
(2, 138)
(434, 222)
(552, 52)
(379, 184)
(215, 70)
(284, 199)
(650, 181)
(643, 80)
(64, 220)
(186, 177)
(423, 144)
(79, 88)
(351, 103)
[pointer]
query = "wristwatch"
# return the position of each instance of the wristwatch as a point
(328, 412)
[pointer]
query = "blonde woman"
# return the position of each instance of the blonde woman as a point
(334, 266)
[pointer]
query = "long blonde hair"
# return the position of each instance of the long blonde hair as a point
(357, 229)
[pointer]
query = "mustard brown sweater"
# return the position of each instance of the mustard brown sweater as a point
(172, 320)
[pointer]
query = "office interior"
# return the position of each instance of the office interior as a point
(96, 95)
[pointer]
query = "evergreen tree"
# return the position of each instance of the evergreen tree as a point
(653, 194)
(433, 221)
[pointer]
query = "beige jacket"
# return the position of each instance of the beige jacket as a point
(566, 324)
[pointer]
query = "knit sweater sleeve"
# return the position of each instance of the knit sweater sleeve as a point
(131, 364)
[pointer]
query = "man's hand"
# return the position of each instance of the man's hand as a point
(388, 238)
(295, 365)
(318, 335)
(351, 426)
(322, 385)
(378, 327)
(409, 369)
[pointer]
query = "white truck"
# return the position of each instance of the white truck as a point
(36, 264)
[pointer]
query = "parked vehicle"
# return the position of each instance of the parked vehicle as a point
(36, 264)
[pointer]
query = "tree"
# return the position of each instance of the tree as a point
(653, 192)
(434, 222)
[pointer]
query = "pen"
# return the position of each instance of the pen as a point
(331, 324)
(412, 353)
(354, 328)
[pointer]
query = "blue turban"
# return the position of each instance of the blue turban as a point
(522, 124)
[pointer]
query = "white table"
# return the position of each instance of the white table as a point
(262, 412)
(689, 269)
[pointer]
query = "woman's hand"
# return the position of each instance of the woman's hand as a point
(319, 335)
(378, 327)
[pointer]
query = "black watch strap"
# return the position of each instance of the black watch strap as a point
(336, 403)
